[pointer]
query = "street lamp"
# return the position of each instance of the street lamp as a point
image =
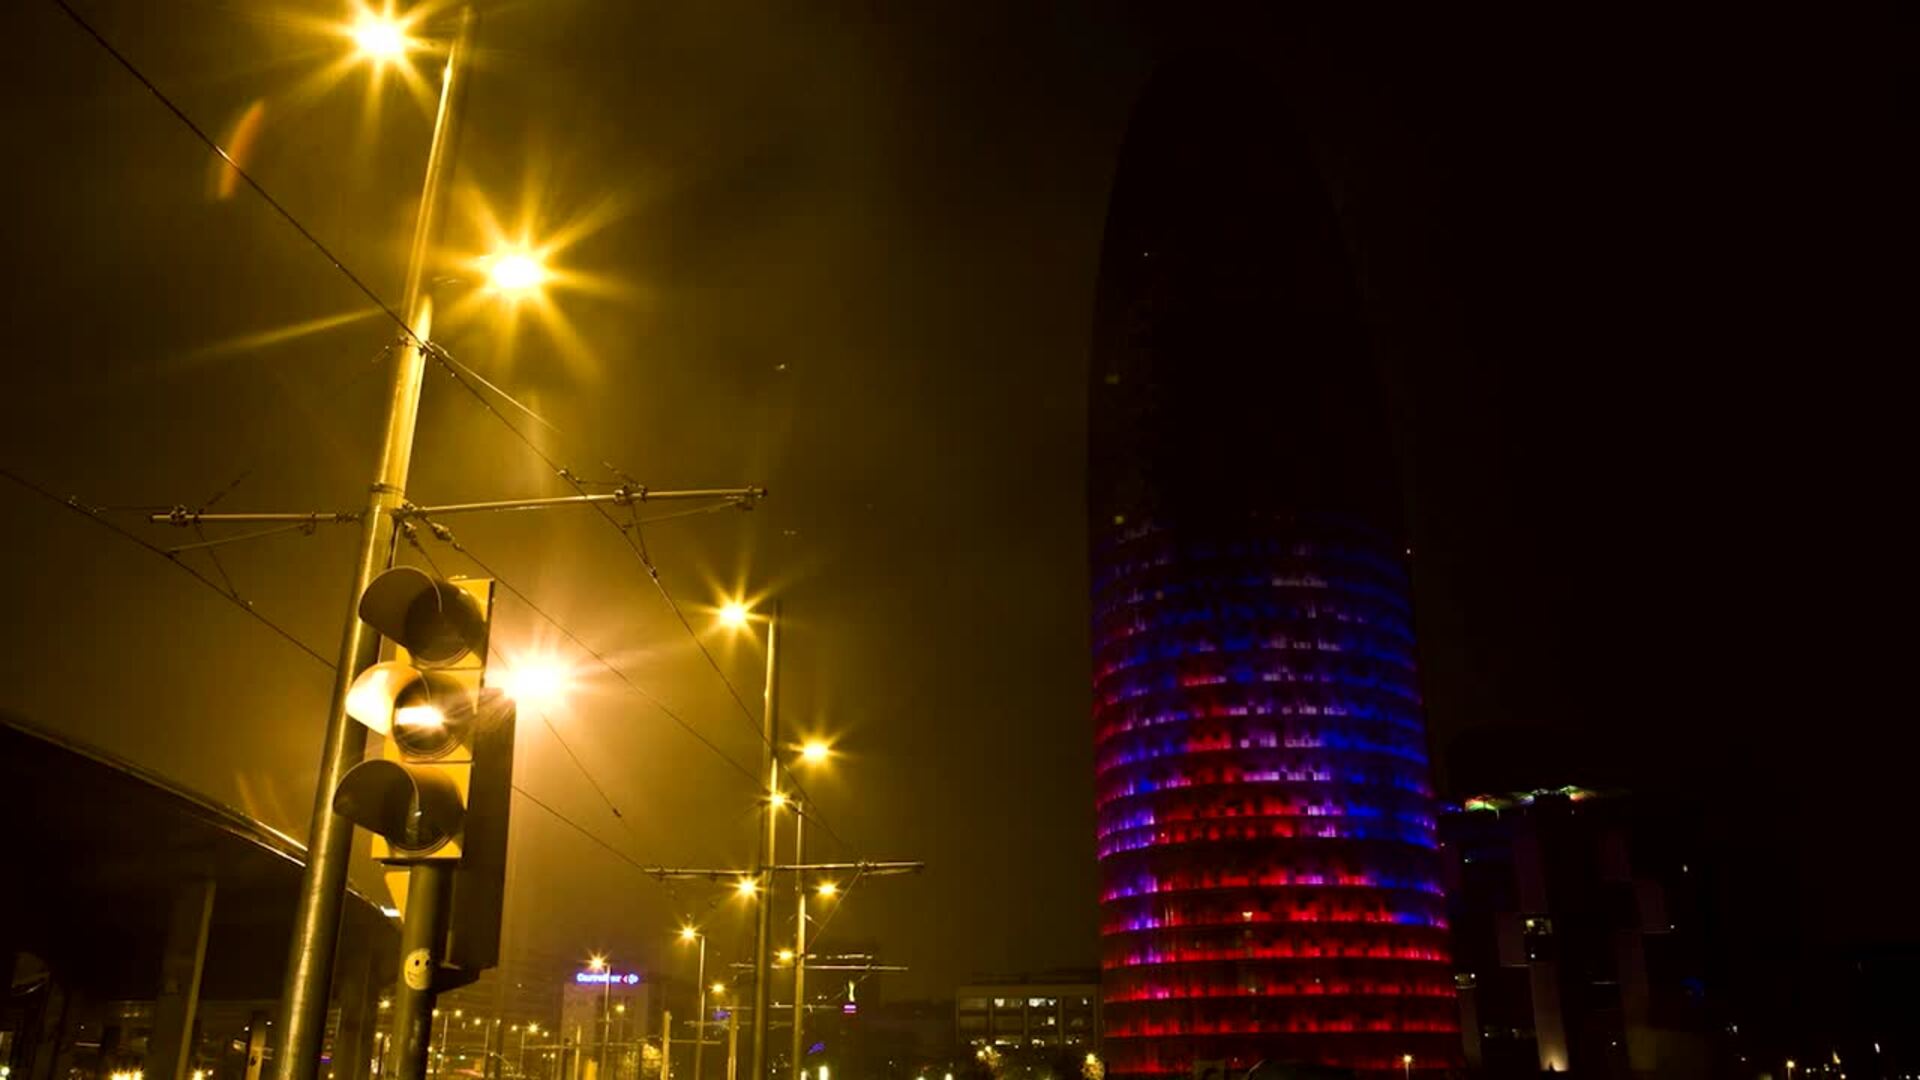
(812, 752)
(1407, 1060)
(380, 37)
(535, 682)
(737, 615)
(516, 272)
(531, 1029)
(598, 963)
(689, 934)
(734, 615)
(317, 911)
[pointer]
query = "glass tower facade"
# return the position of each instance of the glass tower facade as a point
(1266, 826)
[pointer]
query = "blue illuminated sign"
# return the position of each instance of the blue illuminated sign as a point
(596, 978)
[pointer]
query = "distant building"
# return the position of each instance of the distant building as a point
(1060, 1011)
(604, 1016)
(1270, 885)
(1577, 936)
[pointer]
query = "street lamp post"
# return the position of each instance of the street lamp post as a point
(733, 1037)
(769, 850)
(688, 933)
(813, 752)
(303, 1000)
(1407, 1060)
(599, 963)
(799, 939)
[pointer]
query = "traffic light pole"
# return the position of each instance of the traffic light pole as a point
(423, 942)
(309, 978)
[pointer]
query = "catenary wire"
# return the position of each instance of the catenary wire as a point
(581, 829)
(277, 530)
(409, 333)
(635, 541)
(446, 536)
(286, 215)
(93, 514)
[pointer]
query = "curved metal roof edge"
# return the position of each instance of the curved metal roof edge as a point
(218, 814)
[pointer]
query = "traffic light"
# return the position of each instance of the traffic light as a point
(441, 786)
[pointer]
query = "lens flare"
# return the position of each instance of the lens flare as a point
(536, 682)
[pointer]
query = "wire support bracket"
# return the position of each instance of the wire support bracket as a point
(745, 498)
(864, 869)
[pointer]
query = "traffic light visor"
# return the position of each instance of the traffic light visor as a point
(427, 713)
(418, 810)
(436, 621)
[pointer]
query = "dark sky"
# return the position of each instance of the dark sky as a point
(1627, 276)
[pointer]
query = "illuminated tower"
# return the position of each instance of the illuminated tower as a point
(1269, 880)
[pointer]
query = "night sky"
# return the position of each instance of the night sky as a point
(1627, 276)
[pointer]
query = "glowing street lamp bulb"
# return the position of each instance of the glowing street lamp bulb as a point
(537, 684)
(815, 752)
(688, 933)
(747, 886)
(380, 38)
(786, 956)
(718, 988)
(596, 962)
(828, 889)
(516, 272)
(778, 799)
(734, 615)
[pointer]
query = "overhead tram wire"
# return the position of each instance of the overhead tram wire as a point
(411, 533)
(286, 215)
(92, 514)
(636, 544)
(447, 361)
(579, 828)
(446, 536)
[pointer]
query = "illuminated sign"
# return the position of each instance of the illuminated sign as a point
(616, 978)
(850, 1008)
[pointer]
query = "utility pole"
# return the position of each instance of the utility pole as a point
(316, 920)
(733, 1043)
(700, 1019)
(769, 850)
(799, 941)
(666, 1045)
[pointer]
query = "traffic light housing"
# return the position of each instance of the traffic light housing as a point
(440, 788)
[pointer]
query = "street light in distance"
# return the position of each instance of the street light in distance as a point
(734, 615)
